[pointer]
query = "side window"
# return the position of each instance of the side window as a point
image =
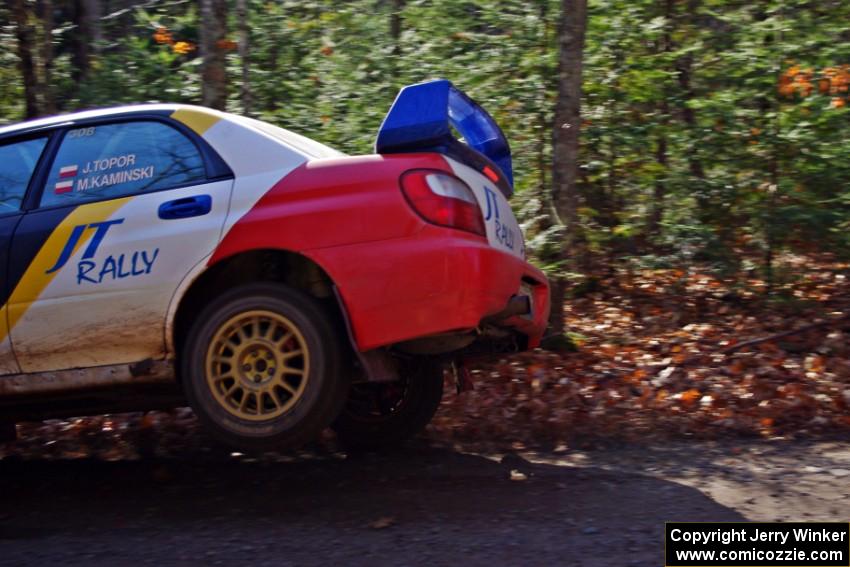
(17, 164)
(115, 160)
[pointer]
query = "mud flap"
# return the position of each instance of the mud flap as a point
(462, 377)
(377, 364)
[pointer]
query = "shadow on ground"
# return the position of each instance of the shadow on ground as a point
(421, 506)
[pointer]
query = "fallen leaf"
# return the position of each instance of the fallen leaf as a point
(382, 522)
(517, 475)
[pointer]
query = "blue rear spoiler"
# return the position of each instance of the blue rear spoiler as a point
(422, 117)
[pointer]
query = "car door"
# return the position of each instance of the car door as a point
(127, 209)
(18, 162)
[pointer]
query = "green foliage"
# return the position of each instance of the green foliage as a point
(11, 86)
(700, 139)
(559, 343)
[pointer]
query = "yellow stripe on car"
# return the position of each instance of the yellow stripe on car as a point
(197, 120)
(36, 278)
(4, 324)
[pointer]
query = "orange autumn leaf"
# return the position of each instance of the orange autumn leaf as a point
(226, 44)
(162, 36)
(817, 364)
(768, 347)
(689, 397)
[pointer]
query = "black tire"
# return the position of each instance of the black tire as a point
(8, 432)
(382, 415)
(322, 387)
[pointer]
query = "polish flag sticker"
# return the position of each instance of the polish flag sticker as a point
(68, 171)
(63, 187)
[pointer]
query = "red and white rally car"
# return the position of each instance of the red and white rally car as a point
(154, 254)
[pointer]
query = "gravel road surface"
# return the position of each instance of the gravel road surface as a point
(421, 506)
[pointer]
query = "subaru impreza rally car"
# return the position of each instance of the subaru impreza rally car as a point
(156, 254)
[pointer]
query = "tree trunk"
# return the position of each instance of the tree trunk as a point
(565, 137)
(47, 92)
(687, 93)
(683, 71)
(659, 192)
(542, 118)
(93, 15)
(273, 96)
(395, 25)
(80, 39)
(24, 33)
(213, 72)
(244, 39)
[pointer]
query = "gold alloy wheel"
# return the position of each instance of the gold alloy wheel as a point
(257, 365)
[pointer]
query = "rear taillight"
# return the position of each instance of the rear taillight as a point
(443, 199)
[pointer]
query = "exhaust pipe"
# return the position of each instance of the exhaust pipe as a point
(517, 305)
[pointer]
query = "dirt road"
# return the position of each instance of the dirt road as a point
(417, 507)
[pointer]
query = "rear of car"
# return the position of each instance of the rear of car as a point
(420, 239)
(420, 249)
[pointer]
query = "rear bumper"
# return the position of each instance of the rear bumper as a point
(438, 281)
